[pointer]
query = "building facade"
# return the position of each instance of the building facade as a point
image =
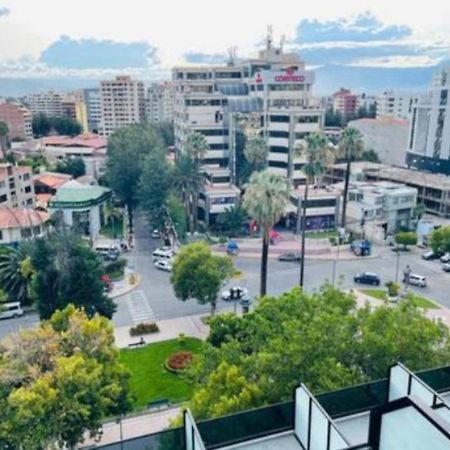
(159, 102)
(345, 103)
(396, 104)
(18, 224)
(122, 103)
(16, 186)
(429, 140)
(18, 119)
(48, 103)
(93, 102)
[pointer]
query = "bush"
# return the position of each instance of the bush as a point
(181, 339)
(144, 328)
(179, 361)
(116, 269)
(393, 288)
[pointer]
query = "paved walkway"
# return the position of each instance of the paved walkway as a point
(135, 426)
(168, 329)
(126, 285)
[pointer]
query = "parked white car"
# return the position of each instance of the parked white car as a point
(10, 310)
(239, 292)
(163, 253)
(164, 265)
(417, 280)
(445, 258)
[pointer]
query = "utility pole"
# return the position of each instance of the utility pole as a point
(398, 263)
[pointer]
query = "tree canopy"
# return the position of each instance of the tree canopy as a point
(72, 166)
(320, 339)
(256, 152)
(58, 380)
(199, 274)
(43, 125)
(406, 238)
(440, 240)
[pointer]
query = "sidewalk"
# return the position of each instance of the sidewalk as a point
(168, 329)
(432, 314)
(124, 286)
(132, 427)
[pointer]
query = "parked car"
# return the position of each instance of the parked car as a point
(155, 234)
(164, 265)
(446, 267)
(10, 310)
(239, 292)
(367, 278)
(417, 280)
(290, 257)
(163, 253)
(430, 255)
(109, 253)
(445, 258)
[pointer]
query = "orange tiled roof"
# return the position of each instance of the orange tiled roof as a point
(83, 140)
(52, 180)
(16, 218)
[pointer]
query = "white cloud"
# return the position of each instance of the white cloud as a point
(391, 62)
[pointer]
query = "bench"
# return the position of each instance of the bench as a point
(158, 404)
(136, 344)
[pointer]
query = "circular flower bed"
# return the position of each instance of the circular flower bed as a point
(179, 361)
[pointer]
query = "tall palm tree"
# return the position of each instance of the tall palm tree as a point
(16, 271)
(317, 153)
(351, 147)
(187, 181)
(256, 152)
(265, 200)
(196, 146)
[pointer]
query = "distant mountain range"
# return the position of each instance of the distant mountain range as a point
(329, 78)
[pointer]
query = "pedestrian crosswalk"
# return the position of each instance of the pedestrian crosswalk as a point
(139, 307)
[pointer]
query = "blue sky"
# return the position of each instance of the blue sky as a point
(91, 39)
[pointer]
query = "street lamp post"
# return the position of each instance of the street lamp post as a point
(398, 263)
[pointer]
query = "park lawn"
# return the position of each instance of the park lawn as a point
(320, 234)
(417, 300)
(149, 379)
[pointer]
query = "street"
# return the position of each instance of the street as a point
(154, 299)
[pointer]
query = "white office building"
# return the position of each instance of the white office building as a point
(93, 101)
(396, 104)
(48, 103)
(122, 103)
(160, 101)
(429, 140)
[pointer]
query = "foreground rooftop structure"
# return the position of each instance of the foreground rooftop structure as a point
(405, 411)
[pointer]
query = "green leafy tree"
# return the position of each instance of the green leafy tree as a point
(320, 339)
(317, 153)
(406, 238)
(265, 200)
(4, 130)
(154, 188)
(351, 147)
(199, 274)
(370, 155)
(43, 125)
(177, 215)
(127, 149)
(187, 181)
(66, 271)
(72, 166)
(196, 146)
(256, 152)
(232, 221)
(440, 240)
(419, 211)
(59, 380)
(333, 119)
(166, 131)
(16, 272)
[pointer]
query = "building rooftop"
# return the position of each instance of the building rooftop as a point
(18, 218)
(329, 191)
(53, 180)
(75, 192)
(221, 189)
(83, 140)
(383, 120)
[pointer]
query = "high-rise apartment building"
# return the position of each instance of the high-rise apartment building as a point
(429, 139)
(48, 103)
(18, 119)
(396, 104)
(346, 104)
(122, 103)
(16, 186)
(160, 102)
(270, 95)
(93, 102)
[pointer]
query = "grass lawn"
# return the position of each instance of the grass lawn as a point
(149, 379)
(108, 230)
(320, 234)
(418, 300)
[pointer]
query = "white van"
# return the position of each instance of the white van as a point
(9, 310)
(417, 280)
(164, 254)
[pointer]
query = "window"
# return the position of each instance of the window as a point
(279, 149)
(25, 233)
(3, 198)
(220, 132)
(26, 177)
(308, 119)
(279, 134)
(320, 202)
(279, 119)
(286, 87)
(28, 189)
(223, 200)
(280, 164)
(1, 235)
(218, 146)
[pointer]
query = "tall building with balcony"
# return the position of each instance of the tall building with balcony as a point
(18, 119)
(93, 102)
(396, 104)
(122, 103)
(429, 138)
(48, 103)
(16, 186)
(160, 102)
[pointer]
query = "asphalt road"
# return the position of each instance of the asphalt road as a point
(154, 298)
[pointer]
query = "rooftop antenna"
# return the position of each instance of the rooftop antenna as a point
(282, 42)
(269, 38)
(232, 51)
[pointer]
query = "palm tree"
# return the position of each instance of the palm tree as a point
(113, 214)
(4, 130)
(187, 181)
(351, 146)
(265, 200)
(317, 152)
(196, 146)
(256, 152)
(16, 271)
(232, 221)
